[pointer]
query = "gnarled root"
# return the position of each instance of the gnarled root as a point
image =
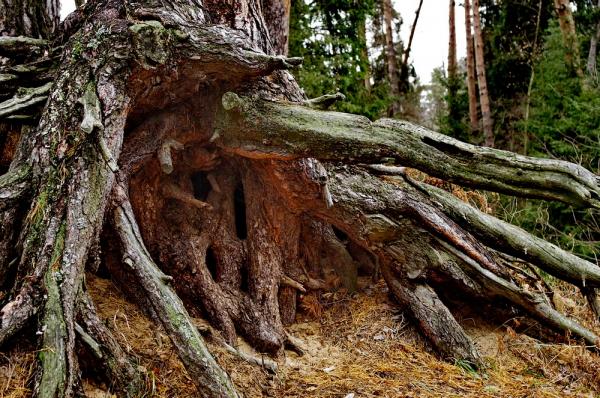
(209, 378)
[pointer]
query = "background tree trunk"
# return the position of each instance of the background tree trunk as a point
(593, 51)
(404, 67)
(486, 112)
(391, 57)
(471, 85)
(452, 61)
(567, 27)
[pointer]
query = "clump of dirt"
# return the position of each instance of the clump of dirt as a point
(361, 345)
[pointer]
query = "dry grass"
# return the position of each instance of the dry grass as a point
(361, 345)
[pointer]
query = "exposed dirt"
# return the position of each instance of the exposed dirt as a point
(361, 345)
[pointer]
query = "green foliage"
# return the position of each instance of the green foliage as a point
(564, 124)
(323, 32)
(331, 36)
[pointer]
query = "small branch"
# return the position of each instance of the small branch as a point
(89, 341)
(262, 361)
(274, 62)
(287, 281)
(295, 344)
(164, 155)
(170, 190)
(324, 101)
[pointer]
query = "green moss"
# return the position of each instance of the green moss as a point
(151, 43)
(15, 177)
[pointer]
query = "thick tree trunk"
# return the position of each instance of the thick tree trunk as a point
(484, 97)
(36, 19)
(174, 131)
(471, 76)
(277, 17)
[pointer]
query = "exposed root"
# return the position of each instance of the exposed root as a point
(120, 370)
(515, 241)
(434, 319)
(261, 129)
(210, 379)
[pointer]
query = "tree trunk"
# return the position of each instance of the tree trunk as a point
(567, 27)
(531, 80)
(486, 112)
(391, 57)
(364, 53)
(174, 132)
(593, 51)
(471, 85)
(452, 61)
(277, 17)
(36, 19)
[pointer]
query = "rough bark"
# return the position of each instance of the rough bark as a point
(484, 98)
(471, 76)
(277, 17)
(257, 129)
(36, 19)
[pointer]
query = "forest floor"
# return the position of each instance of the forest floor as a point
(357, 345)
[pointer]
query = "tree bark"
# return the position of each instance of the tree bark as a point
(277, 17)
(471, 76)
(486, 112)
(364, 53)
(30, 18)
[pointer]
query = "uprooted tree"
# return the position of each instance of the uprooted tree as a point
(166, 142)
